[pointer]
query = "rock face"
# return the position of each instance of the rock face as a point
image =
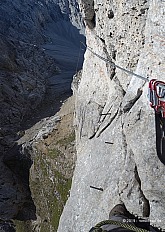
(52, 150)
(24, 71)
(115, 128)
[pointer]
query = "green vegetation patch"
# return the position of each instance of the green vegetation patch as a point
(49, 187)
(54, 153)
(49, 194)
(58, 198)
(67, 140)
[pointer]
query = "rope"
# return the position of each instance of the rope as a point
(98, 228)
(115, 65)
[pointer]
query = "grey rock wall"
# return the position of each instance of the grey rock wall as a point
(88, 12)
(71, 9)
(115, 128)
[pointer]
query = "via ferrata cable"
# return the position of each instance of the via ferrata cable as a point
(115, 65)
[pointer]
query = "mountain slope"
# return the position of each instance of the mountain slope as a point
(31, 75)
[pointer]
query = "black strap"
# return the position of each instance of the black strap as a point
(160, 136)
(94, 229)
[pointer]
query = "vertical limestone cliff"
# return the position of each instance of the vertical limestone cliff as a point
(115, 128)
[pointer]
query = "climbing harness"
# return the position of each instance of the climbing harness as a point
(128, 226)
(157, 102)
(157, 96)
(160, 136)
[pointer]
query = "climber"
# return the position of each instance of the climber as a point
(120, 219)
